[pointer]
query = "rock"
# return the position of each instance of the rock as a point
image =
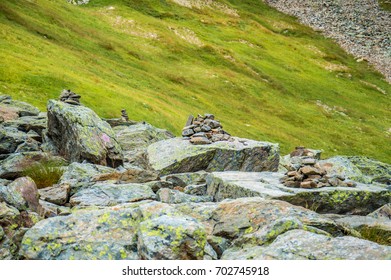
(219, 244)
(195, 189)
(157, 185)
(382, 212)
(360, 200)
(8, 113)
(79, 134)
(22, 108)
(58, 194)
(200, 141)
(244, 216)
(10, 139)
(342, 166)
(16, 164)
(124, 115)
(304, 245)
(174, 196)
(187, 132)
(84, 235)
(169, 238)
(189, 120)
(373, 170)
(30, 145)
(177, 156)
(52, 210)
(111, 194)
(132, 175)
(80, 175)
(134, 140)
(29, 123)
(22, 194)
(185, 179)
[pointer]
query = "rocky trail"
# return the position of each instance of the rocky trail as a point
(361, 27)
(75, 186)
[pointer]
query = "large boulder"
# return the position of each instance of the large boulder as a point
(361, 199)
(104, 194)
(85, 235)
(79, 134)
(134, 140)
(174, 196)
(178, 155)
(21, 108)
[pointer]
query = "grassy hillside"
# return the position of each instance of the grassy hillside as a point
(260, 72)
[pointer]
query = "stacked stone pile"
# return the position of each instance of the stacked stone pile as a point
(69, 97)
(309, 174)
(124, 115)
(204, 130)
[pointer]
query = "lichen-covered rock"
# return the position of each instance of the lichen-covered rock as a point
(79, 175)
(58, 194)
(373, 170)
(361, 199)
(85, 235)
(383, 212)
(342, 166)
(190, 178)
(79, 134)
(51, 210)
(134, 140)
(128, 175)
(304, 245)
(175, 196)
(244, 216)
(177, 155)
(22, 194)
(171, 238)
(111, 194)
(10, 139)
(29, 123)
(22, 108)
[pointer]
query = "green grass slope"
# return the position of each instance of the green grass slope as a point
(264, 75)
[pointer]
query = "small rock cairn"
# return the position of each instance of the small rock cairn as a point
(204, 130)
(310, 174)
(69, 97)
(124, 115)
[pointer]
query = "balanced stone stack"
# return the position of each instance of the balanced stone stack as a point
(70, 97)
(124, 115)
(204, 130)
(310, 174)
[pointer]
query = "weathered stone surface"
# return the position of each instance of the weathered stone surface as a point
(79, 175)
(134, 140)
(362, 199)
(10, 139)
(383, 212)
(29, 123)
(169, 238)
(129, 175)
(177, 156)
(111, 194)
(192, 178)
(373, 170)
(22, 108)
(195, 189)
(157, 185)
(79, 134)
(245, 216)
(52, 210)
(14, 165)
(58, 194)
(342, 166)
(84, 235)
(22, 194)
(304, 245)
(174, 197)
(8, 114)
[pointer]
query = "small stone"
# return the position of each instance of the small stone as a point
(197, 129)
(308, 185)
(309, 170)
(334, 181)
(350, 184)
(209, 116)
(292, 173)
(200, 134)
(200, 141)
(189, 120)
(187, 132)
(309, 161)
(292, 184)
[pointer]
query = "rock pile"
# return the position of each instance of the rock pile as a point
(69, 97)
(124, 115)
(204, 130)
(309, 174)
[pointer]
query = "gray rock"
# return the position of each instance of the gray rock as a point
(10, 139)
(52, 210)
(111, 194)
(58, 194)
(134, 140)
(171, 238)
(79, 134)
(195, 189)
(84, 235)
(373, 170)
(22, 108)
(342, 166)
(383, 212)
(178, 156)
(29, 123)
(304, 245)
(361, 199)
(191, 178)
(174, 196)
(22, 194)
(157, 185)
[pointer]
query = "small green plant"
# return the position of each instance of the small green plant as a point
(45, 173)
(376, 234)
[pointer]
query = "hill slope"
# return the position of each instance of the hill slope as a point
(260, 72)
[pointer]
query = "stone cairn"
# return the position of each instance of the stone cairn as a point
(309, 174)
(124, 115)
(70, 97)
(204, 130)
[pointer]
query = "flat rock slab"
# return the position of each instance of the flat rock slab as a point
(111, 194)
(178, 155)
(304, 245)
(361, 199)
